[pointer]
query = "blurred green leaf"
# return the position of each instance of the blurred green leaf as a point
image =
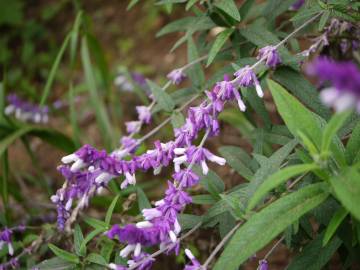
(63, 254)
(219, 42)
(195, 72)
(11, 12)
(211, 181)
(78, 239)
(96, 258)
(229, 7)
(238, 159)
(352, 151)
(177, 119)
(334, 223)
(188, 221)
(164, 100)
(314, 256)
(277, 179)
(110, 210)
(346, 186)
(265, 225)
(143, 201)
(55, 263)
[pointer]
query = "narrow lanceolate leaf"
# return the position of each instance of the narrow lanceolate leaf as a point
(53, 70)
(96, 258)
(218, 44)
(229, 7)
(78, 239)
(346, 186)
(265, 225)
(352, 151)
(111, 210)
(335, 123)
(238, 159)
(300, 120)
(96, 101)
(334, 223)
(63, 254)
(143, 201)
(314, 256)
(277, 179)
(164, 100)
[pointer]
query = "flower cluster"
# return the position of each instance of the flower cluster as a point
(176, 76)
(5, 237)
(26, 111)
(343, 93)
(88, 170)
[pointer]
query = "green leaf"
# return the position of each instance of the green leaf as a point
(78, 239)
(334, 223)
(203, 199)
(323, 20)
(353, 145)
(53, 70)
(265, 225)
(188, 221)
(211, 182)
(54, 264)
(238, 159)
(143, 201)
(334, 125)
(259, 35)
(95, 223)
(4, 165)
(302, 89)
(89, 237)
(63, 254)
(218, 44)
(177, 119)
(195, 72)
(110, 210)
(95, 99)
(300, 120)
(245, 8)
(164, 100)
(190, 3)
(346, 186)
(314, 256)
(229, 7)
(131, 4)
(96, 258)
(271, 165)
(277, 179)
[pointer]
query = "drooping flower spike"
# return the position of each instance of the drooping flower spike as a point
(246, 77)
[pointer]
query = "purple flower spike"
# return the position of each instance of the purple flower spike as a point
(270, 55)
(246, 77)
(144, 114)
(263, 265)
(344, 79)
(176, 76)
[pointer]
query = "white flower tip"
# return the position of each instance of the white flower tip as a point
(137, 250)
(172, 236)
(259, 90)
(242, 106)
(54, 198)
(189, 254)
(205, 168)
(69, 158)
(10, 249)
(144, 224)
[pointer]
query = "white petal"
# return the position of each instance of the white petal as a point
(177, 227)
(144, 224)
(329, 95)
(103, 178)
(205, 168)
(127, 250)
(179, 151)
(137, 250)
(79, 164)
(172, 236)
(54, 198)
(68, 204)
(189, 254)
(344, 102)
(9, 109)
(11, 249)
(69, 158)
(242, 106)
(259, 90)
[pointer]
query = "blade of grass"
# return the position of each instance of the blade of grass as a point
(96, 101)
(54, 69)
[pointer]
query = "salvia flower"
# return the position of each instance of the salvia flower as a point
(270, 56)
(195, 264)
(144, 114)
(176, 76)
(5, 239)
(344, 80)
(297, 5)
(26, 111)
(263, 265)
(227, 91)
(246, 77)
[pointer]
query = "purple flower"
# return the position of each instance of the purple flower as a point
(344, 80)
(186, 178)
(197, 155)
(195, 264)
(176, 76)
(263, 265)
(133, 126)
(117, 266)
(227, 91)
(144, 114)
(129, 144)
(297, 5)
(246, 77)
(270, 55)
(145, 259)
(5, 239)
